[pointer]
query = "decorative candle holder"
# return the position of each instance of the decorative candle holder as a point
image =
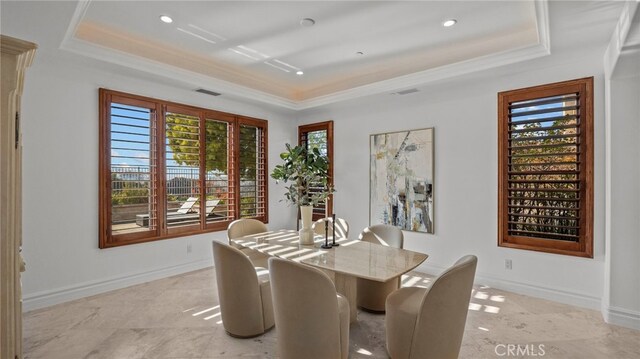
(326, 244)
(333, 225)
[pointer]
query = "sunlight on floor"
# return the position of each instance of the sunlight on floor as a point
(479, 295)
(212, 316)
(207, 310)
(363, 351)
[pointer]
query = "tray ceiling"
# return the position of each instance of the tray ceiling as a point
(255, 48)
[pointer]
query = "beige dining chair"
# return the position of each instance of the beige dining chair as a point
(312, 319)
(244, 227)
(342, 228)
(244, 293)
(428, 323)
(371, 294)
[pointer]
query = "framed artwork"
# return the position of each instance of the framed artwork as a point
(401, 179)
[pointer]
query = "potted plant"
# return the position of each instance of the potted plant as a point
(307, 175)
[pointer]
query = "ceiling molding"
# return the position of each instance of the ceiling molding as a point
(76, 18)
(447, 71)
(623, 36)
(542, 48)
(175, 73)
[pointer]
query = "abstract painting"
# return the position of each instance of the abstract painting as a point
(401, 180)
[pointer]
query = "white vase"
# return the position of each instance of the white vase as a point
(306, 233)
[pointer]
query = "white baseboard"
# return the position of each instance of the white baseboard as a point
(533, 290)
(622, 317)
(51, 297)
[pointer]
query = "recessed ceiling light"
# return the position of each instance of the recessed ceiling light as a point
(299, 72)
(166, 19)
(449, 22)
(307, 22)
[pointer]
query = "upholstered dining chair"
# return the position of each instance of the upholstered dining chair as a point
(371, 294)
(312, 320)
(244, 293)
(342, 227)
(244, 227)
(429, 322)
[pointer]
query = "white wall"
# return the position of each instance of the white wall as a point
(624, 192)
(621, 297)
(464, 115)
(60, 131)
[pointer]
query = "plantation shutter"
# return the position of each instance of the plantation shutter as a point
(219, 167)
(170, 170)
(546, 168)
(131, 169)
(252, 163)
(320, 136)
(182, 168)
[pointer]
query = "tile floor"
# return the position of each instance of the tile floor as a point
(178, 317)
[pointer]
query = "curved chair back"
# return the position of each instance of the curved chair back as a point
(239, 294)
(440, 325)
(306, 311)
(244, 227)
(342, 227)
(383, 234)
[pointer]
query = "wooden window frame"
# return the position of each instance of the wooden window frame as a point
(159, 109)
(320, 126)
(584, 246)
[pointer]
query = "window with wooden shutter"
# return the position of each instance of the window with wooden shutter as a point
(169, 170)
(129, 168)
(220, 167)
(320, 135)
(546, 168)
(182, 170)
(252, 162)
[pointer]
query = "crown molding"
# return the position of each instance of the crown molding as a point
(84, 48)
(175, 73)
(543, 48)
(622, 37)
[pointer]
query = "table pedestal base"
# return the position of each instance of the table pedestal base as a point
(347, 285)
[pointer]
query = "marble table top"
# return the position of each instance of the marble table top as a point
(353, 257)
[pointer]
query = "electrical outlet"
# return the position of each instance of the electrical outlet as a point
(508, 264)
(188, 247)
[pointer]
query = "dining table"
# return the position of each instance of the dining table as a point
(351, 260)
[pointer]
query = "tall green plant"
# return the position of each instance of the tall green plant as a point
(307, 173)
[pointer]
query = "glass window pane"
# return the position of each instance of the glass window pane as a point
(318, 139)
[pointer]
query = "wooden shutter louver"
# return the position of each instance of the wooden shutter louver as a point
(182, 167)
(132, 168)
(319, 135)
(252, 162)
(219, 181)
(546, 164)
